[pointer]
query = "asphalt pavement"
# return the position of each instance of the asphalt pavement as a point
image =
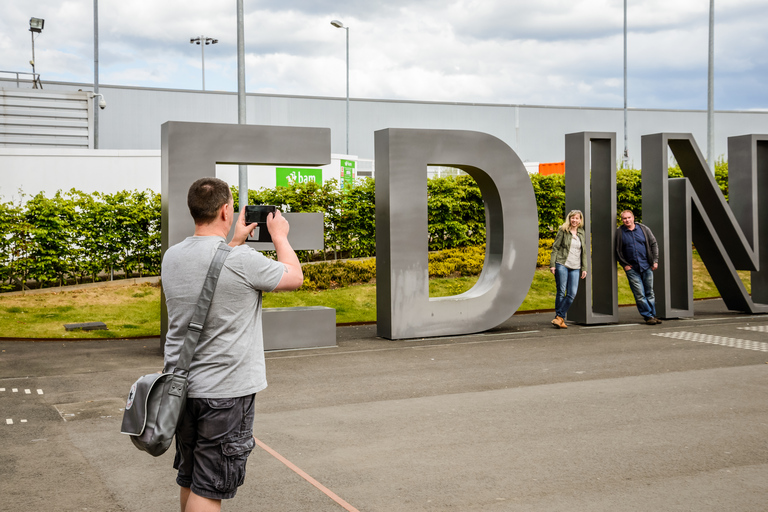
(524, 417)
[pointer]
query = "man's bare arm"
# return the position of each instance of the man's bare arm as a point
(293, 277)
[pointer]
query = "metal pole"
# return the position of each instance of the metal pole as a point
(202, 53)
(347, 29)
(711, 90)
(242, 169)
(626, 150)
(34, 82)
(95, 74)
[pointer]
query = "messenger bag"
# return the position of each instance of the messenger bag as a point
(156, 401)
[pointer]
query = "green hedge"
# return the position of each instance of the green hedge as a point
(455, 213)
(72, 236)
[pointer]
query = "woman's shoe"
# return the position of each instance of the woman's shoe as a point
(559, 323)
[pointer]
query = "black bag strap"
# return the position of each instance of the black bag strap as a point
(197, 323)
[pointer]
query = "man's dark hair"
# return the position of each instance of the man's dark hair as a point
(205, 198)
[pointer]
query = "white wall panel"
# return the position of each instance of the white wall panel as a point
(133, 117)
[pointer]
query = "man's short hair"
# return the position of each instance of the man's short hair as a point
(205, 197)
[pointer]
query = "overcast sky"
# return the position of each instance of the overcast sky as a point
(544, 52)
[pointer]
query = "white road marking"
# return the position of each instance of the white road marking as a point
(609, 325)
(15, 390)
(27, 391)
(2, 389)
(716, 340)
(758, 328)
(39, 391)
(23, 421)
(9, 421)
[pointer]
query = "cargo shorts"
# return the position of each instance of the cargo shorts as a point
(213, 441)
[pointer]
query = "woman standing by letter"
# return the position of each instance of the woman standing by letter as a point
(567, 259)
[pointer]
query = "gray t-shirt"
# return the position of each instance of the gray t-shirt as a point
(229, 359)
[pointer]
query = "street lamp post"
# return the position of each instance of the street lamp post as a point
(338, 24)
(35, 26)
(96, 72)
(202, 41)
(242, 169)
(711, 90)
(626, 150)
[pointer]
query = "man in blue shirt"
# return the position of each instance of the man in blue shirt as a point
(638, 253)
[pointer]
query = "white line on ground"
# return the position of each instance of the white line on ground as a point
(39, 391)
(27, 391)
(725, 318)
(609, 325)
(9, 421)
(15, 390)
(2, 389)
(716, 340)
(757, 328)
(23, 421)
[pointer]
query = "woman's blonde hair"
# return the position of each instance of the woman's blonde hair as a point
(566, 226)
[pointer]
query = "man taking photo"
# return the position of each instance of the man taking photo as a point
(215, 433)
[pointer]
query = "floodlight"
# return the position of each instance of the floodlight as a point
(36, 24)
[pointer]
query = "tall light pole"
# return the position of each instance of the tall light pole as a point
(711, 90)
(338, 24)
(35, 27)
(242, 169)
(626, 151)
(202, 41)
(96, 72)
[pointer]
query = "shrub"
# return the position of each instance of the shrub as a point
(629, 193)
(451, 262)
(550, 202)
(72, 235)
(325, 275)
(545, 251)
(467, 261)
(455, 212)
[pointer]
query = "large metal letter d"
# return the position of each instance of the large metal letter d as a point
(404, 309)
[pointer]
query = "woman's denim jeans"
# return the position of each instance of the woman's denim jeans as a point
(567, 282)
(641, 284)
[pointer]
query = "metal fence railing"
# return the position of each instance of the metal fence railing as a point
(35, 80)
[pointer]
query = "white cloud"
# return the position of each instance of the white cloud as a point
(554, 52)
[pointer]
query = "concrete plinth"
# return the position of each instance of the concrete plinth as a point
(305, 327)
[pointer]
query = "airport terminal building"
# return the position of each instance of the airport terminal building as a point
(56, 127)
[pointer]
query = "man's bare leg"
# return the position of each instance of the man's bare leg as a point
(191, 502)
(183, 497)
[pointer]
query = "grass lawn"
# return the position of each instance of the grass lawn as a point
(134, 310)
(131, 310)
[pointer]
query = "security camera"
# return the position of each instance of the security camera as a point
(102, 101)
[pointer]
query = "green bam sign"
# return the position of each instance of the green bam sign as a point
(286, 176)
(347, 173)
